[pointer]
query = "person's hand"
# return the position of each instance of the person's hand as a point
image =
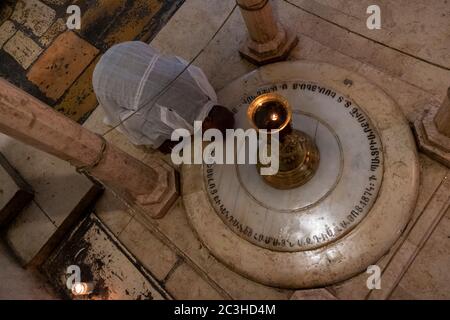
(167, 146)
(219, 118)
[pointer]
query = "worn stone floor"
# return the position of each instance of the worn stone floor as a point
(39, 54)
(408, 58)
(17, 283)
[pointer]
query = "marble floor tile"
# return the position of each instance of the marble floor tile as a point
(190, 29)
(113, 212)
(428, 276)
(398, 18)
(17, 283)
(28, 233)
(416, 72)
(185, 284)
(417, 238)
(149, 250)
(176, 228)
(313, 294)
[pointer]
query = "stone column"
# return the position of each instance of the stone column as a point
(433, 131)
(268, 40)
(152, 187)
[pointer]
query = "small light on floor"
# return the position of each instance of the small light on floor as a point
(82, 288)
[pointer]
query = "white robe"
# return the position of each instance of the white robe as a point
(128, 82)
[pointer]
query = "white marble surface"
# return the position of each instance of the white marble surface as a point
(328, 206)
(361, 247)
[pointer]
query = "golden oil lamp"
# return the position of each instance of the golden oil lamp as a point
(298, 154)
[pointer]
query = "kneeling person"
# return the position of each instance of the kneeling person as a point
(148, 95)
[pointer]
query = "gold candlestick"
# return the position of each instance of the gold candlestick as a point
(298, 155)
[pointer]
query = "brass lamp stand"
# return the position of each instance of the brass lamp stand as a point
(298, 154)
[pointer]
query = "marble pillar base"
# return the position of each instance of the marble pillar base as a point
(274, 51)
(430, 140)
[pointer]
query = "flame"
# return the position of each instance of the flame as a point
(274, 117)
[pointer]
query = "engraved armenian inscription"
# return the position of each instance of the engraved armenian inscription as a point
(349, 145)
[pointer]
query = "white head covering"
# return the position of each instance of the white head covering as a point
(130, 75)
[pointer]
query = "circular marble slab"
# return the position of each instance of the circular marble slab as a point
(328, 206)
(345, 218)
